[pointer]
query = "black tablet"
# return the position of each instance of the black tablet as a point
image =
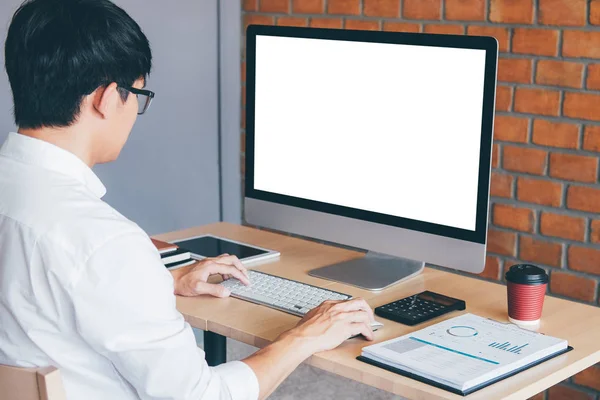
(208, 246)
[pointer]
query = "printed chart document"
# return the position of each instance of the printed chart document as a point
(465, 353)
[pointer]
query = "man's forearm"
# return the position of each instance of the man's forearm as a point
(277, 361)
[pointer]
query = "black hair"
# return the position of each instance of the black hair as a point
(59, 51)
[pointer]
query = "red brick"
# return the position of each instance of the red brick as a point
(501, 185)
(595, 12)
(584, 259)
(591, 138)
(511, 11)
(539, 191)
(514, 70)
(308, 6)
(346, 7)
(501, 34)
(559, 73)
(540, 251)
(537, 101)
(445, 29)
(576, 287)
(539, 396)
(422, 9)
(382, 8)
(244, 95)
(362, 25)
(562, 12)
(511, 129)
(542, 42)
(574, 167)
(595, 231)
(503, 98)
(589, 377)
(331, 23)
(517, 218)
(582, 105)
(465, 10)
(562, 226)
(495, 156)
(251, 19)
(593, 77)
(581, 44)
(243, 72)
(275, 6)
(250, 5)
(492, 268)
(555, 134)
(401, 27)
(560, 392)
(528, 160)
(243, 143)
(501, 242)
(292, 21)
(584, 199)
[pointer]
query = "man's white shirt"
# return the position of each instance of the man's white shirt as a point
(82, 288)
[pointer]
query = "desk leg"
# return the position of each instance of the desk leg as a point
(215, 348)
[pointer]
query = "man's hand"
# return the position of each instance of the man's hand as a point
(330, 324)
(194, 281)
(322, 328)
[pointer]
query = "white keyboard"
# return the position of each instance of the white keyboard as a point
(283, 294)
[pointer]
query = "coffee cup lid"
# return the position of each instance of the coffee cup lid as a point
(526, 274)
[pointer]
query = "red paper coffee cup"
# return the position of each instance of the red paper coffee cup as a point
(526, 289)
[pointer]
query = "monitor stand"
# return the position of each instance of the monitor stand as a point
(373, 272)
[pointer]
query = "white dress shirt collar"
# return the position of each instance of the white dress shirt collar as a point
(48, 156)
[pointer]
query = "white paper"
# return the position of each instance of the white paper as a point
(465, 351)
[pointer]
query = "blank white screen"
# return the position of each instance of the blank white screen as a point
(388, 128)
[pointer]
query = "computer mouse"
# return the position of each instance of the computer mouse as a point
(375, 325)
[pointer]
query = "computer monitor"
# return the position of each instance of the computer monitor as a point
(375, 140)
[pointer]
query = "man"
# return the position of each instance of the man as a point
(81, 287)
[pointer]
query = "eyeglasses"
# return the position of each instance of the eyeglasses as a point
(145, 101)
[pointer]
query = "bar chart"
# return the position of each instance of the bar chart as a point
(507, 346)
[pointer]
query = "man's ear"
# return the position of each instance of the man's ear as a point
(107, 100)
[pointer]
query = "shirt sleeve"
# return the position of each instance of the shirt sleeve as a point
(126, 310)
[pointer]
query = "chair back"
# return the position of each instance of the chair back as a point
(31, 383)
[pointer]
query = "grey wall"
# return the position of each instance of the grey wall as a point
(230, 90)
(7, 8)
(168, 176)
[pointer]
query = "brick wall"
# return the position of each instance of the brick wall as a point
(545, 192)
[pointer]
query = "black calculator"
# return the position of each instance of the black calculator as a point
(419, 308)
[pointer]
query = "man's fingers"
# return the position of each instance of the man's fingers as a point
(355, 305)
(233, 260)
(212, 289)
(356, 316)
(360, 328)
(327, 304)
(217, 268)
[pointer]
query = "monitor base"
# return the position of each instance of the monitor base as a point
(373, 272)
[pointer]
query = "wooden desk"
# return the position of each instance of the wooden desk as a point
(258, 325)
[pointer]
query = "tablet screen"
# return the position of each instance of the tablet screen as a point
(209, 246)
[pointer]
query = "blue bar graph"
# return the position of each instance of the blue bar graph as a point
(505, 347)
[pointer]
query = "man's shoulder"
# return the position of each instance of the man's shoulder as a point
(82, 231)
